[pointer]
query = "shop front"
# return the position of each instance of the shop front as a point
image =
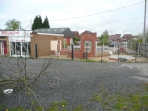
(18, 43)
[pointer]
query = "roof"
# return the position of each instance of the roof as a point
(51, 30)
(127, 36)
(86, 32)
(76, 33)
(118, 35)
(114, 37)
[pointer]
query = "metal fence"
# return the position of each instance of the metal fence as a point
(143, 49)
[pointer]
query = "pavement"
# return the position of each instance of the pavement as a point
(75, 82)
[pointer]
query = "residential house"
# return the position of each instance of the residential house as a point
(76, 34)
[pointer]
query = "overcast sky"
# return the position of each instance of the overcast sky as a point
(122, 21)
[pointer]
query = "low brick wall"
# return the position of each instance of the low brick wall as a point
(78, 54)
(64, 52)
(52, 52)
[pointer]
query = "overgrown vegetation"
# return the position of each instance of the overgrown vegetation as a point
(14, 75)
(137, 101)
(75, 40)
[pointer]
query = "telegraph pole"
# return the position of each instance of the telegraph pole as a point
(144, 23)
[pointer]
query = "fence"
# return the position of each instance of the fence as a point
(143, 49)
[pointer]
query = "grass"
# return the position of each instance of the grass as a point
(112, 102)
(118, 102)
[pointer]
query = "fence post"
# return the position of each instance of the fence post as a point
(86, 52)
(145, 50)
(138, 49)
(102, 52)
(72, 52)
(57, 52)
(136, 52)
(35, 50)
(118, 52)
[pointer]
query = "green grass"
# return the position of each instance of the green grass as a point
(88, 60)
(135, 101)
(119, 102)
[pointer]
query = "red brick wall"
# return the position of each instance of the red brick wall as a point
(43, 44)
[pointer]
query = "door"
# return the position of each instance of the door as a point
(68, 41)
(5, 47)
(2, 47)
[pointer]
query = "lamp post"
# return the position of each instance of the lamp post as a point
(118, 52)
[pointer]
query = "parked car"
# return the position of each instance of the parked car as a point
(112, 44)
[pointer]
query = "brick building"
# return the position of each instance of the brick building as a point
(43, 44)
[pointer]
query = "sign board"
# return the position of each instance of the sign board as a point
(15, 33)
(17, 36)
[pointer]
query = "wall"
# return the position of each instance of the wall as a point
(43, 44)
(5, 38)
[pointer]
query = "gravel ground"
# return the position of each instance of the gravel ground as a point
(76, 82)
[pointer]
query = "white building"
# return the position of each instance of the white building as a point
(15, 43)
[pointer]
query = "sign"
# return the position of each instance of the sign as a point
(9, 32)
(15, 33)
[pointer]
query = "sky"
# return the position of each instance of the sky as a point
(73, 14)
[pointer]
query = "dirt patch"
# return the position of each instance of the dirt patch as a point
(105, 58)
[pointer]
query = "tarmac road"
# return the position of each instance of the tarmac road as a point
(76, 82)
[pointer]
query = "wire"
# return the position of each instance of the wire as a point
(99, 12)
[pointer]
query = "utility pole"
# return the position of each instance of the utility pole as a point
(144, 23)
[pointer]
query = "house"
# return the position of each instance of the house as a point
(127, 37)
(114, 37)
(76, 34)
(68, 35)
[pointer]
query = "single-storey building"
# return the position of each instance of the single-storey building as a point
(68, 35)
(45, 44)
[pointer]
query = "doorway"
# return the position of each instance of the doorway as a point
(3, 47)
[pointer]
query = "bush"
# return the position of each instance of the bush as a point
(105, 43)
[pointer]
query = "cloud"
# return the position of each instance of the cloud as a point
(115, 21)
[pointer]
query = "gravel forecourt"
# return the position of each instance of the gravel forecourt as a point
(76, 82)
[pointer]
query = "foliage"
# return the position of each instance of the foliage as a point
(140, 36)
(105, 43)
(37, 23)
(104, 37)
(19, 78)
(46, 23)
(130, 102)
(75, 40)
(13, 25)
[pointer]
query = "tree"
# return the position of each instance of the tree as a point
(37, 23)
(46, 23)
(13, 25)
(104, 37)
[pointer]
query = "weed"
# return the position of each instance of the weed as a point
(96, 97)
